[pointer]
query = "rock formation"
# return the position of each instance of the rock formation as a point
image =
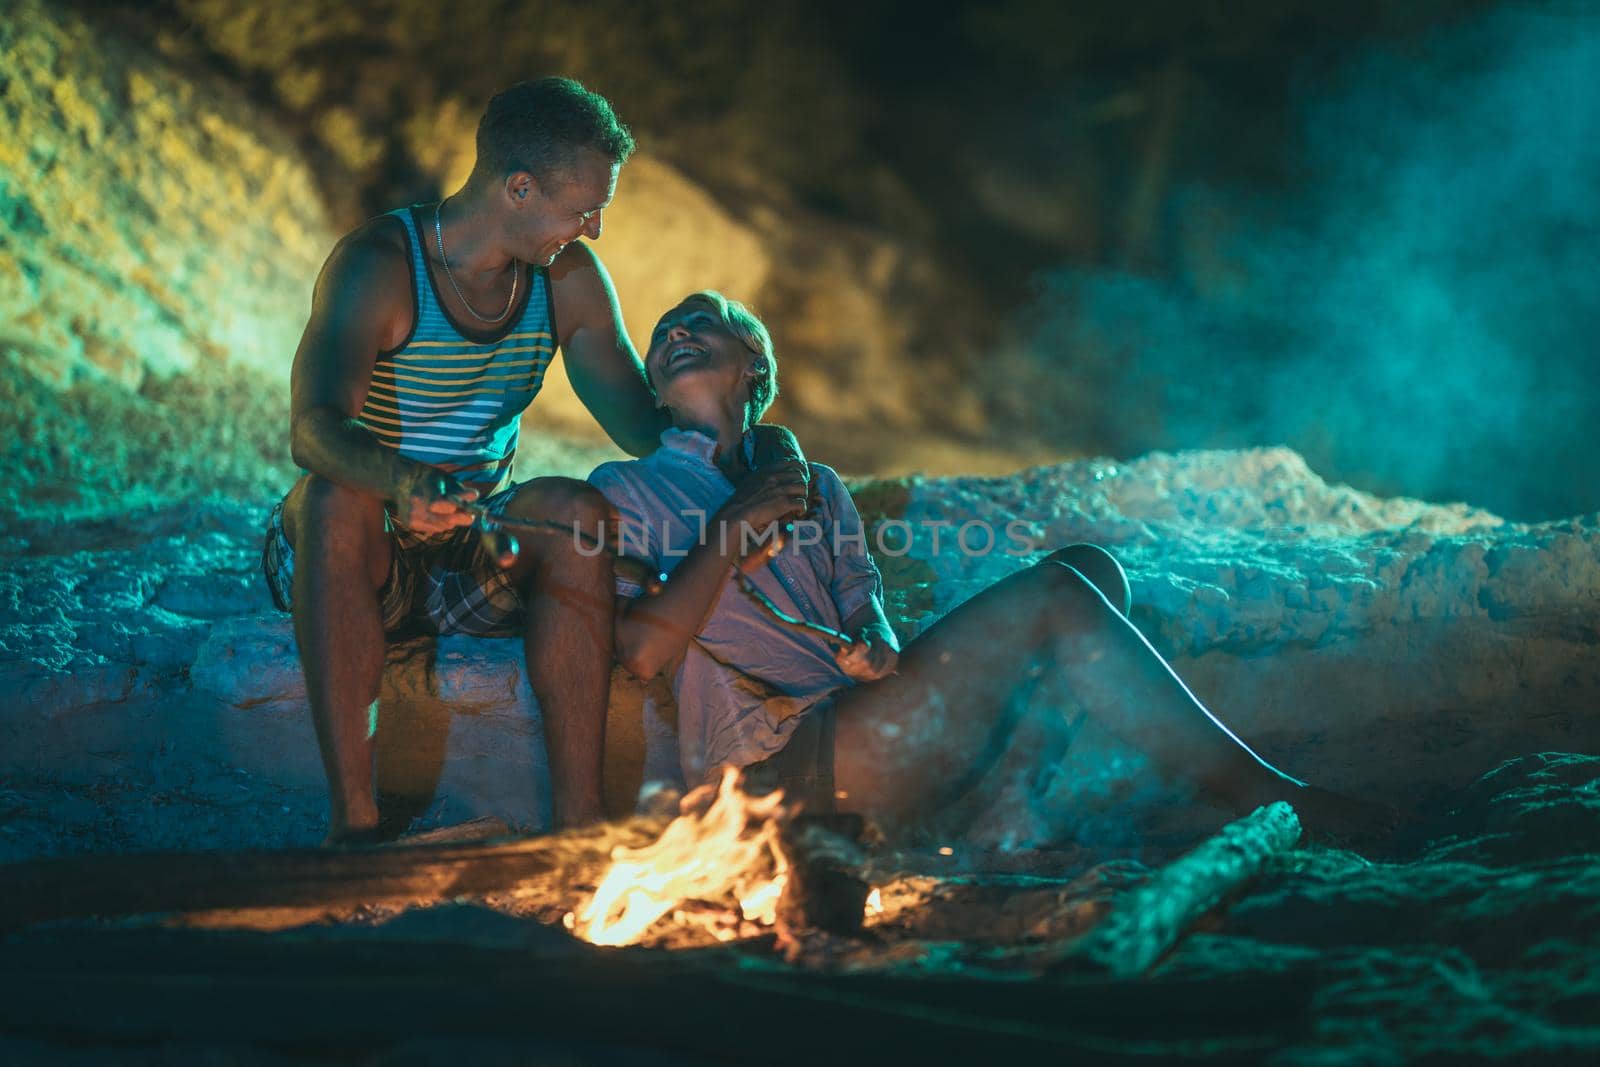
(1377, 644)
(155, 220)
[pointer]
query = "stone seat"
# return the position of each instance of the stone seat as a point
(458, 726)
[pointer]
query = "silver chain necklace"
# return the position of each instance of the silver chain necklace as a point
(438, 237)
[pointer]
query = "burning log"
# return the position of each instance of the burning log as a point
(724, 868)
(825, 889)
(737, 855)
(1147, 921)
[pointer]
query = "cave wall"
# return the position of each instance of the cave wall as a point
(1001, 235)
(153, 219)
(177, 174)
(158, 240)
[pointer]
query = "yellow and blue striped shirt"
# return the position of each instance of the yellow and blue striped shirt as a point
(453, 402)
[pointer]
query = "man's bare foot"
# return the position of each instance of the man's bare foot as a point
(355, 820)
(355, 837)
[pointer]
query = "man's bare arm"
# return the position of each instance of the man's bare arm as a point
(353, 313)
(602, 365)
(361, 305)
(606, 372)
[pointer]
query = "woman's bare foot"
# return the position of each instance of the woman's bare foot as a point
(1338, 819)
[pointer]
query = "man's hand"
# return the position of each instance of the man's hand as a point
(870, 658)
(430, 501)
(762, 499)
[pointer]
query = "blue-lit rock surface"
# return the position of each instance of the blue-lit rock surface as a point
(1382, 644)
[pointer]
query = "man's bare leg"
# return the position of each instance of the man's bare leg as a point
(571, 599)
(901, 741)
(341, 560)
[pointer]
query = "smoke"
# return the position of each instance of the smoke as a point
(1416, 310)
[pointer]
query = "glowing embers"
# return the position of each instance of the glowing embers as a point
(727, 851)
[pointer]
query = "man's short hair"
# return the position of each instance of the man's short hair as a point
(753, 332)
(540, 127)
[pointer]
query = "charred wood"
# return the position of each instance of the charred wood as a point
(116, 885)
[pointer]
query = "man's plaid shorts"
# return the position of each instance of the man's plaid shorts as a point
(438, 583)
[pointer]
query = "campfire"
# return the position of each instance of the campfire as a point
(703, 863)
(728, 867)
(742, 866)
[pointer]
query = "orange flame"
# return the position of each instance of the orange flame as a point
(731, 847)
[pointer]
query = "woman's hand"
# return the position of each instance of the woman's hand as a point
(762, 499)
(430, 501)
(870, 658)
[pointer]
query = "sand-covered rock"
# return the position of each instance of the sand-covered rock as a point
(1371, 643)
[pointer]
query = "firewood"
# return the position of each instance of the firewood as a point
(1145, 922)
(144, 883)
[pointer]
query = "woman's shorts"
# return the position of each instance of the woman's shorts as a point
(437, 584)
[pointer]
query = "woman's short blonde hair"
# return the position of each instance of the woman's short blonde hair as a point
(753, 332)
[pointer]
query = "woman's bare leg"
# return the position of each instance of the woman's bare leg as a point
(1101, 569)
(905, 741)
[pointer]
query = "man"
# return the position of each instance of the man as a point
(430, 332)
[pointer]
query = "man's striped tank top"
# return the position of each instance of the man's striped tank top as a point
(454, 402)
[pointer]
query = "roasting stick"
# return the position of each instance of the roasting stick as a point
(832, 636)
(504, 548)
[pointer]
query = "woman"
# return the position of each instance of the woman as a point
(897, 735)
